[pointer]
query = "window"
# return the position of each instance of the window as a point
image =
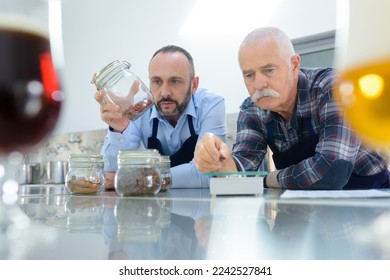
(316, 50)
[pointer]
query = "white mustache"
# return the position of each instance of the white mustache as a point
(264, 93)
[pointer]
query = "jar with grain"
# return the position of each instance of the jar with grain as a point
(85, 174)
(138, 172)
(165, 170)
(124, 88)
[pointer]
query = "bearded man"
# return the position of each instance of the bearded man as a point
(182, 114)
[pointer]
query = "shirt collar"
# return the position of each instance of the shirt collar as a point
(303, 107)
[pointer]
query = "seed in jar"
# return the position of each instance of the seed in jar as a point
(134, 110)
(138, 181)
(82, 186)
(166, 183)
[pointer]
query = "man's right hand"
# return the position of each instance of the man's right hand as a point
(111, 113)
(213, 155)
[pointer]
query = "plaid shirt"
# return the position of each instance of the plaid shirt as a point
(337, 146)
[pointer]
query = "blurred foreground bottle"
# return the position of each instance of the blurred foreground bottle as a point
(363, 61)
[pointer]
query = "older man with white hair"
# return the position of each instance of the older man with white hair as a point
(291, 111)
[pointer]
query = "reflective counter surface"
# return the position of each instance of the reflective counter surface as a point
(189, 224)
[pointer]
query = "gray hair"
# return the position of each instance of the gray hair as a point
(286, 47)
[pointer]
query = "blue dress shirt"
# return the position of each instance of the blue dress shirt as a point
(208, 113)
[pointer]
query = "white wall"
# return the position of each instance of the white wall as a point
(99, 31)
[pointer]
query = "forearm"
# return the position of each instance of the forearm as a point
(113, 142)
(332, 175)
(187, 176)
(329, 168)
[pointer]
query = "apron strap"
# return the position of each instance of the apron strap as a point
(185, 154)
(304, 149)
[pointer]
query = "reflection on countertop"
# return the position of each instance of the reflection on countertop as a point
(190, 224)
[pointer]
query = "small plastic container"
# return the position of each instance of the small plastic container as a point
(85, 174)
(138, 172)
(165, 170)
(124, 88)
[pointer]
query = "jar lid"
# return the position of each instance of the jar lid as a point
(165, 159)
(139, 153)
(111, 72)
(85, 159)
(85, 156)
(136, 156)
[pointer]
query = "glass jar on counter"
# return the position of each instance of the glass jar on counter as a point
(138, 172)
(123, 88)
(85, 174)
(165, 170)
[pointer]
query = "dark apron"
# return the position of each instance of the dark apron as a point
(305, 148)
(185, 154)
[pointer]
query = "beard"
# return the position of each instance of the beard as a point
(179, 108)
(264, 93)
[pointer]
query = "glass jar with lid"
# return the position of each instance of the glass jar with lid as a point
(138, 172)
(165, 170)
(85, 174)
(124, 88)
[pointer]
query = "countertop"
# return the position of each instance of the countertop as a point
(189, 224)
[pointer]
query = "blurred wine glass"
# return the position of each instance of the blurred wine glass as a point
(31, 62)
(363, 62)
(30, 102)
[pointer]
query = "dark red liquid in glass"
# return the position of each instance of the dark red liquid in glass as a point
(29, 109)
